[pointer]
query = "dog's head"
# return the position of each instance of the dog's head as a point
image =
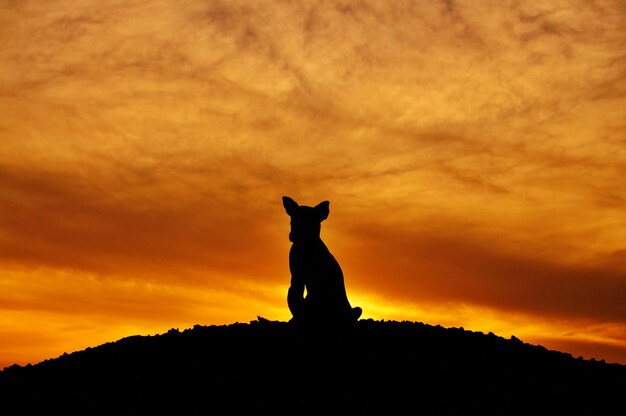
(306, 222)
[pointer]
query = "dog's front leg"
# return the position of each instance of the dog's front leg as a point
(295, 296)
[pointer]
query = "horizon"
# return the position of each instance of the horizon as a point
(473, 155)
(260, 319)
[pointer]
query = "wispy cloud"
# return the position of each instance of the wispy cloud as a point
(474, 151)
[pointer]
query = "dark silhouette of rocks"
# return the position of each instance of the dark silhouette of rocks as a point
(270, 367)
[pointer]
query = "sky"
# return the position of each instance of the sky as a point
(473, 153)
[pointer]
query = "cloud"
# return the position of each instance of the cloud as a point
(481, 143)
(128, 223)
(462, 268)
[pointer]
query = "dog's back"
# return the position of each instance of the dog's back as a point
(321, 274)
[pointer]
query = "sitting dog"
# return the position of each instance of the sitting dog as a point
(314, 268)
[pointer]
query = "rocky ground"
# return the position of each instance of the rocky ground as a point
(269, 367)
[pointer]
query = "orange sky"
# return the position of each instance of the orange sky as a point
(474, 156)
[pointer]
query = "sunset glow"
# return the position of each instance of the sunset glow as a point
(473, 153)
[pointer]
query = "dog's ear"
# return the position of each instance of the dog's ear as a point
(290, 205)
(322, 209)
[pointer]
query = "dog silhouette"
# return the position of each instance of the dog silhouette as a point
(314, 269)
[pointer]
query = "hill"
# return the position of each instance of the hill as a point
(271, 367)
